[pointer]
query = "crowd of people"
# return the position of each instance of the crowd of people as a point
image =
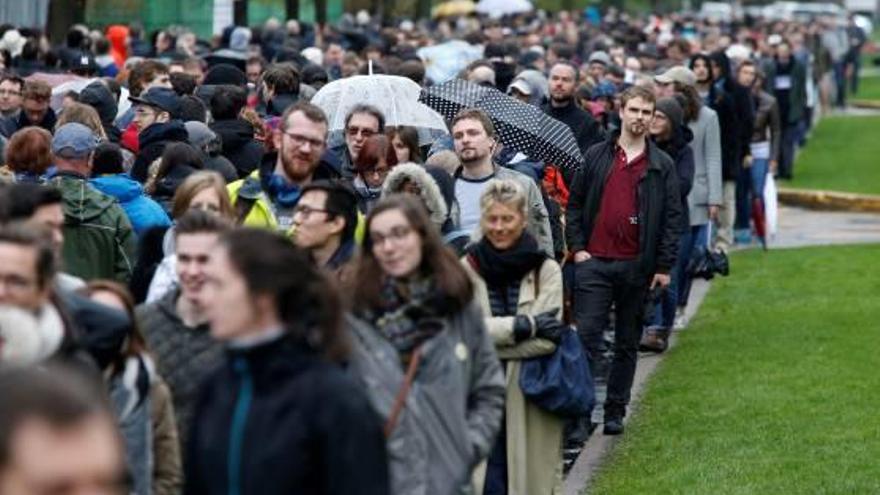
(209, 290)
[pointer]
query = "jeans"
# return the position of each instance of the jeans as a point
(601, 283)
(786, 154)
(664, 313)
(840, 82)
(750, 185)
(696, 236)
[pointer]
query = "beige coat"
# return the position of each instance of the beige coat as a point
(534, 436)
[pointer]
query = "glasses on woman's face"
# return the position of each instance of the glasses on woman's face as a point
(395, 235)
(377, 172)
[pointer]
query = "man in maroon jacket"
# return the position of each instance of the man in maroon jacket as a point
(622, 226)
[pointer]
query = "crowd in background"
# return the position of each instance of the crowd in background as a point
(182, 226)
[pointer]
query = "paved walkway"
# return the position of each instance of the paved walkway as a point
(797, 228)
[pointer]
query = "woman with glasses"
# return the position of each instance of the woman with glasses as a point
(372, 165)
(422, 353)
(520, 291)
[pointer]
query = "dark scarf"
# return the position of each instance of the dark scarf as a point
(412, 312)
(503, 268)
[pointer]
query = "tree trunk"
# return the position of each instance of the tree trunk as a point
(292, 8)
(423, 9)
(240, 13)
(321, 12)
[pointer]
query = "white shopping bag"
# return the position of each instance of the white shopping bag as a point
(771, 206)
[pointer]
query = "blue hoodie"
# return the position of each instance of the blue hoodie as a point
(142, 212)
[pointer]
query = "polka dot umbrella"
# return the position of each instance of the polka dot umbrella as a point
(523, 127)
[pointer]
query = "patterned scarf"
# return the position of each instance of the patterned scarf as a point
(412, 312)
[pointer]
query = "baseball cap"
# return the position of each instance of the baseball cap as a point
(74, 140)
(521, 86)
(679, 74)
(164, 99)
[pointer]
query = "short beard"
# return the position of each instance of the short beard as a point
(291, 170)
(563, 100)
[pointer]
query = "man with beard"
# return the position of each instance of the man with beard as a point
(267, 197)
(623, 223)
(473, 135)
(563, 84)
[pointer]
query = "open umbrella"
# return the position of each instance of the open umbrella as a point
(446, 60)
(454, 8)
(396, 97)
(520, 126)
(501, 8)
(77, 85)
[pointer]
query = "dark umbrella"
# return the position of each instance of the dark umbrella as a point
(520, 126)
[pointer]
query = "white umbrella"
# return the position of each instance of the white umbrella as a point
(499, 8)
(396, 97)
(444, 61)
(78, 85)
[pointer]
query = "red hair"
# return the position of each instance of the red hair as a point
(376, 148)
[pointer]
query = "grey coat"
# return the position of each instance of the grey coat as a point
(452, 414)
(706, 145)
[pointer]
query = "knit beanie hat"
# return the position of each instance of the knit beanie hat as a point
(672, 110)
(225, 74)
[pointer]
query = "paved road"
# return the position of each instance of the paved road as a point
(797, 228)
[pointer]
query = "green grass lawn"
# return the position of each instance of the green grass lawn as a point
(869, 89)
(841, 155)
(774, 388)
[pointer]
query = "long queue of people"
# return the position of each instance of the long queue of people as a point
(255, 304)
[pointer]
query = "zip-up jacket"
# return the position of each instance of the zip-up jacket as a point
(98, 238)
(660, 213)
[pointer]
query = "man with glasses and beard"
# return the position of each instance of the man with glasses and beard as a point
(268, 196)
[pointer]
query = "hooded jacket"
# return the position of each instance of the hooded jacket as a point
(279, 419)
(117, 35)
(98, 239)
(151, 145)
(239, 145)
(733, 103)
(255, 190)
(143, 212)
(429, 192)
(99, 97)
(678, 148)
(660, 213)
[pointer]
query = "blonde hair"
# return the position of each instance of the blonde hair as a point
(196, 183)
(508, 192)
(82, 114)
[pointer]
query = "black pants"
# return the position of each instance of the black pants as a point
(599, 283)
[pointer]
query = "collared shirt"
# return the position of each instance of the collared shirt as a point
(615, 232)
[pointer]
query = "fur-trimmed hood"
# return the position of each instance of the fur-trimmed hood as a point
(429, 191)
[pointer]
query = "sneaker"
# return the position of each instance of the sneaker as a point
(742, 237)
(655, 339)
(613, 426)
(680, 322)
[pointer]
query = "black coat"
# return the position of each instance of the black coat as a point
(678, 148)
(736, 118)
(660, 216)
(239, 145)
(10, 126)
(291, 422)
(585, 128)
(152, 142)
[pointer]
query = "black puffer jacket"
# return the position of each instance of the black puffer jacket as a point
(185, 356)
(152, 142)
(278, 419)
(660, 213)
(239, 145)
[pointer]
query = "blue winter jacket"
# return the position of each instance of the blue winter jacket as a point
(143, 212)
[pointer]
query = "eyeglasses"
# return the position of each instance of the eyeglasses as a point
(9, 92)
(380, 173)
(299, 140)
(306, 211)
(17, 283)
(363, 131)
(396, 235)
